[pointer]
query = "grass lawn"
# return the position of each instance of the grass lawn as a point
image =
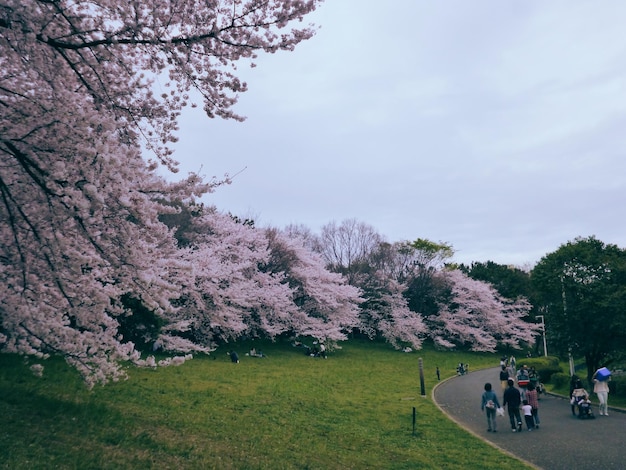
(287, 411)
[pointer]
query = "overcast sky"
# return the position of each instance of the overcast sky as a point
(496, 126)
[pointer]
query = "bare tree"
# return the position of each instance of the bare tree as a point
(347, 246)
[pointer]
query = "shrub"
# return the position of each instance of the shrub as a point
(545, 366)
(560, 380)
(617, 386)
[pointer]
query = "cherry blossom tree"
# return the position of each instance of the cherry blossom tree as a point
(230, 295)
(476, 316)
(107, 55)
(357, 251)
(84, 86)
(75, 245)
(257, 282)
(385, 313)
(328, 301)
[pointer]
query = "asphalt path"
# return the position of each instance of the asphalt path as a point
(561, 442)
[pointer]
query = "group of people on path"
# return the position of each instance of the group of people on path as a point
(524, 401)
(580, 399)
(515, 402)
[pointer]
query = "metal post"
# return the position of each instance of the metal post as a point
(414, 420)
(423, 389)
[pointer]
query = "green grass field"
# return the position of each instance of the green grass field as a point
(287, 411)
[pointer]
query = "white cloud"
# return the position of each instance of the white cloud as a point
(494, 126)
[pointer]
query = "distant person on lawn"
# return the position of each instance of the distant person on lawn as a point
(234, 357)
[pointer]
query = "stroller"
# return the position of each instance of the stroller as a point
(582, 403)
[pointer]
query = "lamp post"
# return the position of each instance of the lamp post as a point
(572, 367)
(543, 330)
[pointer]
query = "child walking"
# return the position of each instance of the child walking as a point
(528, 415)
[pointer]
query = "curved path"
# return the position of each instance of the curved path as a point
(562, 442)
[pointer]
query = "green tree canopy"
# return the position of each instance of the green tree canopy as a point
(509, 281)
(581, 288)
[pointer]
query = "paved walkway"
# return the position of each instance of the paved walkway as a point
(562, 442)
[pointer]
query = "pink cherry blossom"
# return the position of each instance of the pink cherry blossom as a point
(79, 202)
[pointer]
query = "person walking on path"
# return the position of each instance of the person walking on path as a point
(560, 444)
(528, 415)
(601, 389)
(523, 380)
(504, 377)
(511, 370)
(512, 401)
(533, 400)
(490, 404)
